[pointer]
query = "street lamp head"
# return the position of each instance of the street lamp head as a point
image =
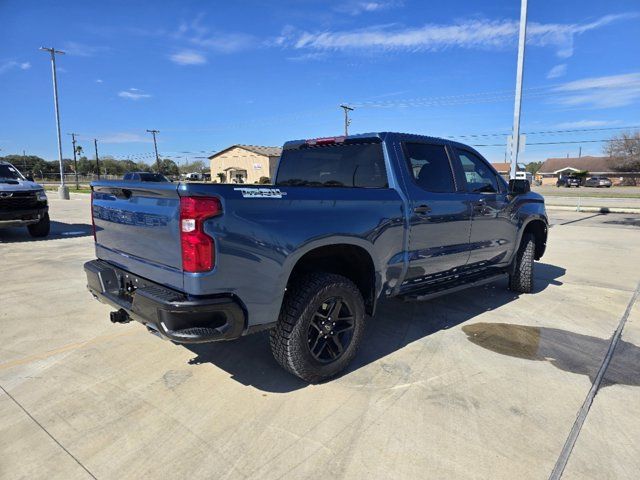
(52, 50)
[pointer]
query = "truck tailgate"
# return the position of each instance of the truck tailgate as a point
(137, 229)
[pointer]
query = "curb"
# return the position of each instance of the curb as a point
(574, 208)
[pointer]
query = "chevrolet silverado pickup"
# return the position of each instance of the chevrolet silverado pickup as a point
(348, 221)
(23, 203)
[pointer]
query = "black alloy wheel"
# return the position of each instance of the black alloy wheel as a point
(331, 330)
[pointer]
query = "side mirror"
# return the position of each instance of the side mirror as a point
(29, 178)
(518, 186)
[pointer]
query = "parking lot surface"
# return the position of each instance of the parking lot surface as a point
(477, 384)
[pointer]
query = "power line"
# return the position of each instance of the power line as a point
(75, 160)
(543, 143)
(477, 135)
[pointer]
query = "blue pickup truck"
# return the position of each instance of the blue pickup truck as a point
(348, 220)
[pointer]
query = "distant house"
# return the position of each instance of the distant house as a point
(503, 169)
(553, 168)
(244, 163)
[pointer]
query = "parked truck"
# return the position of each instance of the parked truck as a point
(347, 222)
(23, 203)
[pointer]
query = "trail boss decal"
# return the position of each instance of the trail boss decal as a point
(261, 192)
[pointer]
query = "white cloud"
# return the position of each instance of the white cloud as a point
(308, 56)
(585, 124)
(195, 33)
(557, 71)
(600, 92)
(188, 57)
(475, 33)
(356, 7)
(99, 80)
(133, 94)
(81, 50)
(11, 64)
(124, 137)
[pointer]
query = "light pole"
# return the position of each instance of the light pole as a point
(63, 191)
(347, 121)
(515, 136)
(155, 147)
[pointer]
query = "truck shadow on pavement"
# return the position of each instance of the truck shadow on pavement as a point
(58, 231)
(396, 324)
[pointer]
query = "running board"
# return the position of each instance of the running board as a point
(444, 289)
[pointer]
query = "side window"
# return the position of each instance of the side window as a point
(480, 178)
(430, 167)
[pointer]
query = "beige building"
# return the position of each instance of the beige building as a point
(244, 163)
(553, 168)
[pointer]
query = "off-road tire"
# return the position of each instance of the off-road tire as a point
(521, 276)
(289, 340)
(40, 229)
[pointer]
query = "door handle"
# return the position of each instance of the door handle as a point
(422, 209)
(480, 205)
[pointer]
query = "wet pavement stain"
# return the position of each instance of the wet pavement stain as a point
(568, 351)
(175, 378)
(631, 221)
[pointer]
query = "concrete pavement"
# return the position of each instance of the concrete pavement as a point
(478, 384)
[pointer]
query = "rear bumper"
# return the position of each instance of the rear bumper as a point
(19, 218)
(170, 313)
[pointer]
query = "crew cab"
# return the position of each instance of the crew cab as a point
(348, 221)
(23, 203)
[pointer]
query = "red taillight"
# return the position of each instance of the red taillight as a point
(325, 140)
(198, 248)
(93, 223)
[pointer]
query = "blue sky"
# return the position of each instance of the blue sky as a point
(211, 74)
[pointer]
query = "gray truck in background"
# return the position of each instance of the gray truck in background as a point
(23, 203)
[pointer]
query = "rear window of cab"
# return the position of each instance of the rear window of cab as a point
(359, 165)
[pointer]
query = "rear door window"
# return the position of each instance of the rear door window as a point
(430, 167)
(340, 165)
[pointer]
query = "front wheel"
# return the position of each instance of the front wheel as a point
(320, 326)
(521, 276)
(40, 229)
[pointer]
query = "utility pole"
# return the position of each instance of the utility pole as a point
(155, 147)
(580, 151)
(347, 121)
(95, 143)
(515, 136)
(75, 161)
(63, 191)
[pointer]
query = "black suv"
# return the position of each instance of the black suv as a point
(568, 181)
(22, 202)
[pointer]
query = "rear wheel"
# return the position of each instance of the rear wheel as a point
(320, 326)
(521, 276)
(40, 229)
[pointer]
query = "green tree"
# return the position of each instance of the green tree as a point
(624, 150)
(143, 167)
(533, 167)
(196, 166)
(167, 167)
